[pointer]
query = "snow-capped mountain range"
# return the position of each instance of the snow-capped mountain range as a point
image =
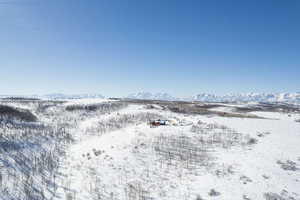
(242, 97)
(72, 96)
(58, 96)
(152, 96)
(251, 97)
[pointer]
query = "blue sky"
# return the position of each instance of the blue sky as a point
(116, 47)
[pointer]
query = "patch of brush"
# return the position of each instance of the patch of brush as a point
(11, 113)
(216, 135)
(103, 107)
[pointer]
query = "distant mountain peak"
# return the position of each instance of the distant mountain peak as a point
(152, 96)
(59, 96)
(237, 97)
(250, 97)
(72, 96)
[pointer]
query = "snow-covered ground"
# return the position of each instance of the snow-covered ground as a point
(117, 155)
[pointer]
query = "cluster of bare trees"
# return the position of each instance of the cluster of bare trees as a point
(30, 158)
(31, 153)
(121, 121)
(215, 135)
(100, 107)
(180, 149)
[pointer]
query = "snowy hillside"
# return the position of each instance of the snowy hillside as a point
(92, 149)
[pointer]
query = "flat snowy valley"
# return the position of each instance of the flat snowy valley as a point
(128, 149)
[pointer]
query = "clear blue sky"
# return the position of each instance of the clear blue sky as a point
(116, 47)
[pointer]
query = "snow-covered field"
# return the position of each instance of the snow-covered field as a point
(105, 149)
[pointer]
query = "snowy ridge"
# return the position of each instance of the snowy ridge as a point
(250, 97)
(242, 97)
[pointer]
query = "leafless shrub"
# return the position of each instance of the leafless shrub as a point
(262, 134)
(199, 197)
(288, 165)
(252, 141)
(245, 179)
(213, 193)
(224, 171)
(265, 176)
(273, 196)
(135, 191)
